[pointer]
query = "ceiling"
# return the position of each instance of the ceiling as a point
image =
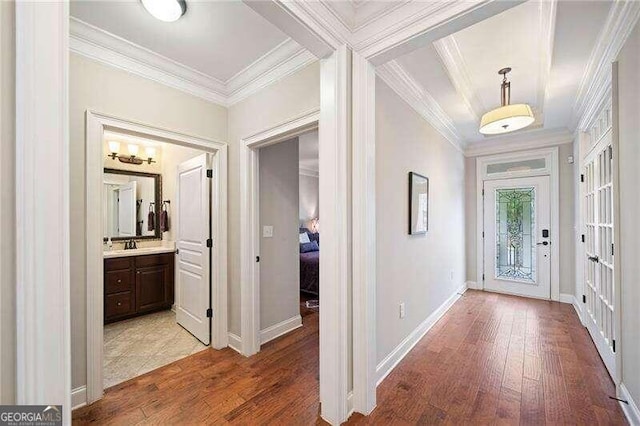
(547, 44)
(218, 38)
(308, 151)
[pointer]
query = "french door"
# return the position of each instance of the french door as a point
(517, 242)
(599, 294)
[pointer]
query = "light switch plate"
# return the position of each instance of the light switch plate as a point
(267, 231)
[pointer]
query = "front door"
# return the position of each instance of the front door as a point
(517, 239)
(193, 295)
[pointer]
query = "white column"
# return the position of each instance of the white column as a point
(364, 235)
(335, 267)
(42, 205)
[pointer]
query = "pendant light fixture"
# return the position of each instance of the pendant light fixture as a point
(507, 118)
(165, 10)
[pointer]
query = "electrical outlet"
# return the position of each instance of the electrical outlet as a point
(267, 231)
(402, 312)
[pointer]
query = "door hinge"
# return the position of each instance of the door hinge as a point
(611, 249)
(177, 251)
(257, 258)
(209, 173)
(581, 178)
(582, 237)
(610, 152)
(209, 313)
(209, 242)
(483, 192)
(482, 234)
(482, 277)
(584, 298)
(614, 345)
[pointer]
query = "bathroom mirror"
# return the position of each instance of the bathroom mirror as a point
(132, 203)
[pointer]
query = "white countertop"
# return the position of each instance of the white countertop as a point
(108, 254)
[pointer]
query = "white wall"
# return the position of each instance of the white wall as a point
(279, 255)
(288, 98)
(414, 269)
(629, 143)
(7, 205)
(112, 91)
(566, 240)
(309, 207)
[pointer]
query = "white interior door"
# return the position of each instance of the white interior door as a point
(127, 209)
(517, 240)
(193, 295)
(598, 263)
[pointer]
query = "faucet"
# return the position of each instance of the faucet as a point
(130, 245)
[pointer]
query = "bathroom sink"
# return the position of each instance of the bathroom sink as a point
(137, 252)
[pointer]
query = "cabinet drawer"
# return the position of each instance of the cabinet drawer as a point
(118, 263)
(118, 281)
(153, 260)
(118, 305)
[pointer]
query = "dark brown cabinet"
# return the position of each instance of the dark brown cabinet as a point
(137, 285)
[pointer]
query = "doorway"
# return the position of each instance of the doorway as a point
(200, 275)
(517, 239)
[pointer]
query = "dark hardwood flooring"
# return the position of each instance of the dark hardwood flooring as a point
(492, 359)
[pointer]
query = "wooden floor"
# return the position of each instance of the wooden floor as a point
(492, 359)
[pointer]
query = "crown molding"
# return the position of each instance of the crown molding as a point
(394, 75)
(519, 141)
(458, 71)
(102, 46)
(596, 80)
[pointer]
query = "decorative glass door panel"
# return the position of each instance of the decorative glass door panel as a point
(515, 231)
(516, 236)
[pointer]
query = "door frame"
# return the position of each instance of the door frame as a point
(552, 170)
(250, 222)
(96, 124)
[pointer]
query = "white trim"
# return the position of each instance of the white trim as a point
(566, 298)
(280, 329)
(96, 123)
(350, 408)
(249, 221)
(308, 172)
(473, 285)
(394, 358)
(43, 349)
(363, 193)
(235, 342)
(597, 76)
(630, 410)
(418, 98)
(102, 46)
(572, 300)
(78, 397)
(553, 171)
(519, 141)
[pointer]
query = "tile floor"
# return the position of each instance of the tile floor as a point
(139, 345)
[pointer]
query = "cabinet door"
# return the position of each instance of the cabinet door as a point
(151, 288)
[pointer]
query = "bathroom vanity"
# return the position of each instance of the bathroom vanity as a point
(137, 282)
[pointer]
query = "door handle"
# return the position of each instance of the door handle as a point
(544, 243)
(595, 259)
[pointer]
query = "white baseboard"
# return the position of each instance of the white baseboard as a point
(572, 300)
(393, 359)
(280, 329)
(78, 397)
(473, 285)
(235, 342)
(631, 409)
(349, 404)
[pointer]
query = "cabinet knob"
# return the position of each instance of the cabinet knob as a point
(119, 281)
(138, 272)
(119, 303)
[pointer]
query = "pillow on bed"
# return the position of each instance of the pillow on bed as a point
(304, 238)
(309, 247)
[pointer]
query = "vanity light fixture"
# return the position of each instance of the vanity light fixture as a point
(165, 10)
(132, 158)
(507, 118)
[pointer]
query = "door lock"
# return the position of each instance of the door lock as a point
(544, 243)
(594, 259)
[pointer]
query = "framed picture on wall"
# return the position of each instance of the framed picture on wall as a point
(418, 204)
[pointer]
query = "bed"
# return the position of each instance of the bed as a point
(310, 266)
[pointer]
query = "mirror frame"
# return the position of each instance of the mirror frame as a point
(158, 183)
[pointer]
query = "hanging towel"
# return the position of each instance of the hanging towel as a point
(151, 219)
(164, 219)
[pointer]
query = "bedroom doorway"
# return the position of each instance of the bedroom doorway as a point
(289, 264)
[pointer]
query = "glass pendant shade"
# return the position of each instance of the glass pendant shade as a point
(114, 147)
(165, 10)
(506, 119)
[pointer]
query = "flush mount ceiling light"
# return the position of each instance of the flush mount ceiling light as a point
(507, 118)
(165, 10)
